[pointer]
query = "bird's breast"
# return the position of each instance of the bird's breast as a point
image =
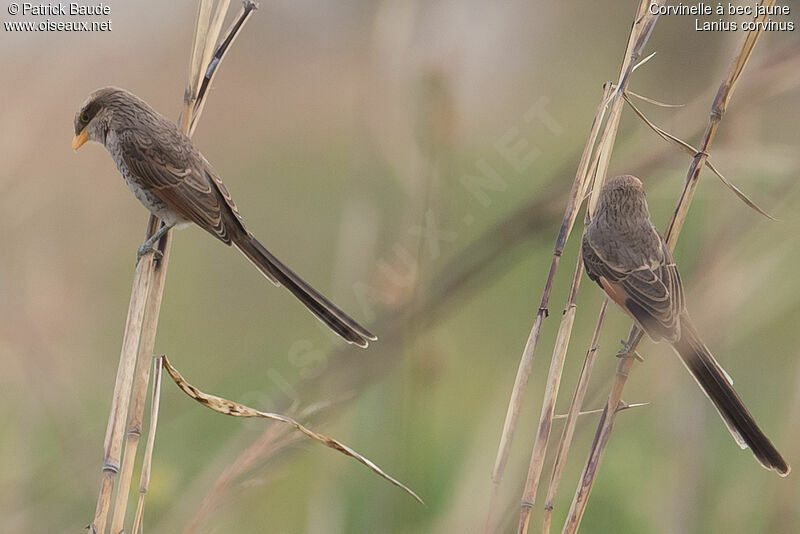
(149, 200)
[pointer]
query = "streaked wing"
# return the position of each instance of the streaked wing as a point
(172, 170)
(652, 291)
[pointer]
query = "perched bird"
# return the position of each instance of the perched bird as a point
(624, 253)
(178, 185)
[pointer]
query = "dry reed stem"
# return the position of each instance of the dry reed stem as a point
(724, 94)
(639, 35)
(234, 409)
(147, 462)
(572, 419)
(526, 362)
(122, 388)
(141, 326)
(141, 379)
(549, 403)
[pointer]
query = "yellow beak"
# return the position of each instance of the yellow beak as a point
(80, 140)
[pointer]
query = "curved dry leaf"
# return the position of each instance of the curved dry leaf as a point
(224, 406)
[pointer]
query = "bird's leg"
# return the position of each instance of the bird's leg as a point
(628, 351)
(148, 246)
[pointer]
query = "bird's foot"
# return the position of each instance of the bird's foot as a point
(628, 350)
(146, 249)
(151, 245)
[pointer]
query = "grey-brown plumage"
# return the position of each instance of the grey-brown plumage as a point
(624, 253)
(177, 184)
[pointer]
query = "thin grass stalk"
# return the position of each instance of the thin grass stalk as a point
(724, 94)
(556, 363)
(147, 462)
(686, 147)
(572, 419)
(152, 312)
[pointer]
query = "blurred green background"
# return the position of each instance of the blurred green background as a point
(411, 160)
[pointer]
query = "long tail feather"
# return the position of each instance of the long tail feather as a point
(718, 386)
(322, 308)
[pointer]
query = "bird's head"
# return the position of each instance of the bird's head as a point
(626, 182)
(623, 194)
(94, 116)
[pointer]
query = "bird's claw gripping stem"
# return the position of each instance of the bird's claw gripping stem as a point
(628, 351)
(149, 246)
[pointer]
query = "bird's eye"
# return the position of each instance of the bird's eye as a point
(84, 117)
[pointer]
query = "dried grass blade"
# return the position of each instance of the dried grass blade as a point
(227, 407)
(212, 68)
(692, 151)
(214, 29)
(196, 62)
(624, 406)
(653, 101)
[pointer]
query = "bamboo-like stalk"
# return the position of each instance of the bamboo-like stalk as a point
(139, 394)
(142, 322)
(674, 227)
(122, 389)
